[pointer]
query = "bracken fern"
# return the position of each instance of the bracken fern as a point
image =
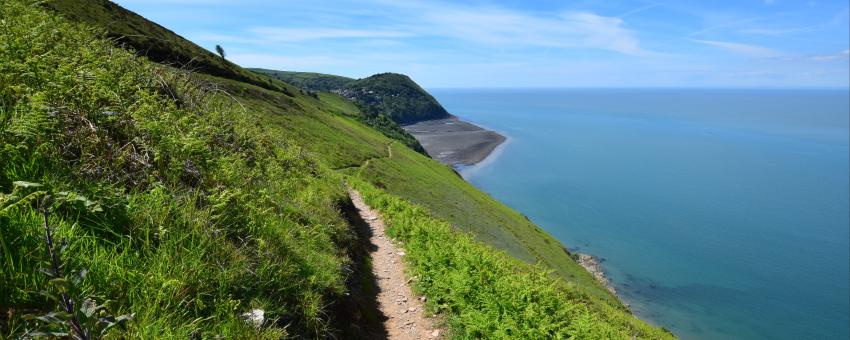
(204, 213)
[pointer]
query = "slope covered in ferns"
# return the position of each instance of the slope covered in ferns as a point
(186, 200)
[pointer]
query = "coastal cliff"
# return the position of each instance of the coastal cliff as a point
(185, 203)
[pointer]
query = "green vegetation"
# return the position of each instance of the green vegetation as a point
(484, 293)
(375, 106)
(220, 51)
(308, 80)
(329, 129)
(202, 213)
(194, 198)
(448, 197)
(393, 95)
(392, 130)
(384, 100)
(155, 42)
(396, 96)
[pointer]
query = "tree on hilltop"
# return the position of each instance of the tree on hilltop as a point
(220, 51)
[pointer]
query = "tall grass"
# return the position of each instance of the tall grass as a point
(204, 216)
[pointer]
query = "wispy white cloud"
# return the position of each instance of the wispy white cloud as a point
(743, 49)
(512, 43)
(227, 38)
(252, 59)
(269, 35)
(722, 25)
(171, 2)
(845, 54)
(501, 27)
(278, 34)
(484, 25)
(640, 9)
(780, 31)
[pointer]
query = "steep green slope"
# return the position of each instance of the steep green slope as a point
(154, 41)
(452, 199)
(345, 144)
(487, 294)
(396, 96)
(393, 95)
(180, 209)
(308, 80)
(371, 112)
(338, 139)
(327, 126)
(205, 204)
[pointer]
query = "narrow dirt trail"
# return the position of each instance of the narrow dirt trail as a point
(404, 312)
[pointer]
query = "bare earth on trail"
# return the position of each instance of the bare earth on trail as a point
(405, 316)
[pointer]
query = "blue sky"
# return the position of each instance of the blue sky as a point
(516, 43)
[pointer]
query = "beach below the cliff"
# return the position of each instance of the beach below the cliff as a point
(455, 142)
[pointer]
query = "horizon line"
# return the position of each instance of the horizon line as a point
(846, 88)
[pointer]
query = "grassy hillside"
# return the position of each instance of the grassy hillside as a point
(308, 80)
(487, 294)
(374, 116)
(396, 96)
(177, 206)
(384, 100)
(327, 127)
(342, 143)
(155, 42)
(190, 199)
(393, 95)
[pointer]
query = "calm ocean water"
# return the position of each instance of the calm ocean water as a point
(718, 214)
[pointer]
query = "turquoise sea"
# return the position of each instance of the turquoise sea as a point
(718, 214)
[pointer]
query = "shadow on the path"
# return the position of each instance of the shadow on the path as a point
(358, 316)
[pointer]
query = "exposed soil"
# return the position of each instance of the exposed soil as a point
(403, 313)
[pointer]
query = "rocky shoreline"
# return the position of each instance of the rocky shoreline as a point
(592, 265)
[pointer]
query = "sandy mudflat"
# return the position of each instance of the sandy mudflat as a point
(455, 142)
